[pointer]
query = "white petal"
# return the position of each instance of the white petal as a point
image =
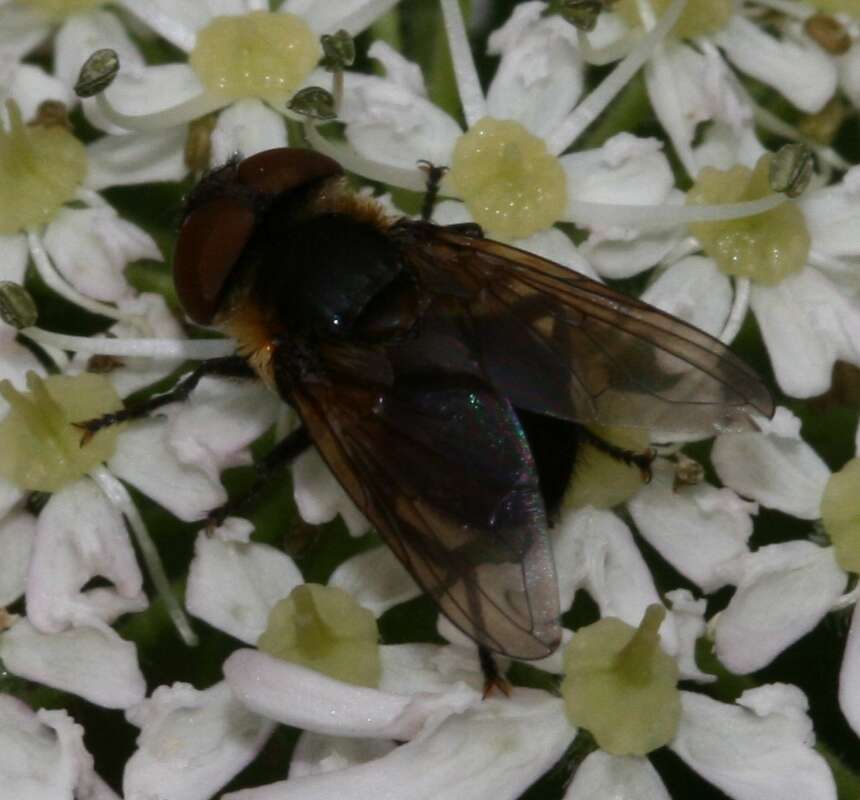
(92, 246)
(849, 74)
(540, 76)
(307, 699)
(807, 322)
(602, 776)
(146, 90)
(687, 88)
(752, 757)
(376, 579)
(776, 467)
(144, 459)
(689, 615)
(320, 498)
(15, 362)
(16, 543)
(94, 663)
(695, 528)
(81, 535)
(389, 124)
(179, 20)
(411, 669)
(783, 592)
(694, 290)
(233, 585)
(82, 34)
(616, 575)
(829, 213)
(398, 69)
(245, 128)
(352, 15)
(557, 246)
(133, 158)
(42, 754)
(794, 65)
(315, 754)
(723, 147)
(10, 496)
(21, 29)
(618, 253)
(626, 170)
(191, 742)
(136, 373)
(29, 86)
(223, 418)
(849, 674)
(494, 752)
(13, 258)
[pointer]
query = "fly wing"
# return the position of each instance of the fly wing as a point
(443, 471)
(558, 343)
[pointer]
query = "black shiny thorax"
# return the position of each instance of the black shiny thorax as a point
(319, 274)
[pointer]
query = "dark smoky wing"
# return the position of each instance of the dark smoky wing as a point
(445, 475)
(556, 342)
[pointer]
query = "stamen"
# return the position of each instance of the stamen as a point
(589, 109)
(167, 349)
(343, 153)
(366, 15)
(198, 106)
(738, 313)
(117, 494)
(649, 218)
(468, 84)
(48, 273)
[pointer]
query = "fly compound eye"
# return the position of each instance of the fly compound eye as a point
(210, 242)
(224, 210)
(281, 169)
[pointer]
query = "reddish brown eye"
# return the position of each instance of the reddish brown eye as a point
(284, 168)
(210, 242)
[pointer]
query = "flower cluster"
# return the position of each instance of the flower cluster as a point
(700, 154)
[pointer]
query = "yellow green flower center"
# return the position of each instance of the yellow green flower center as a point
(699, 17)
(621, 687)
(41, 168)
(260, 54)
(40, 450)
(58, 9)
(509, 182)
(601, 480)
(840, 514)
(849, 7)
(323, 628)
(766, 247)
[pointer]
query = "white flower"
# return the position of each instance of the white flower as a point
(532, 107)
(43, 756)
(783, 590)
(250, 95)
(689, 77)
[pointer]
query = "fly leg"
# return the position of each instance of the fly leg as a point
(642, 459)
(493, 679)
(434, 178)
(280, 456)
(229, 366)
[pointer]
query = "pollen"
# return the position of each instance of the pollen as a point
(512, 186)
(766, 247)
(324, 628)
(840, 515)
(41, 168)
(621, 687)
(59, 9)
(40, 449)
(260, 54)
(699, 17)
